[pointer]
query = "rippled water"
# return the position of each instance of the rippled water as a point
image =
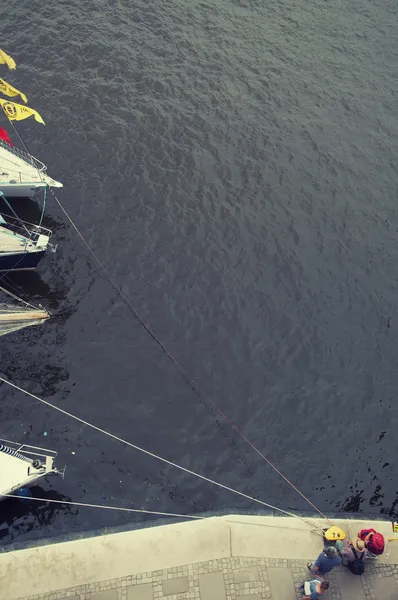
(233, 163)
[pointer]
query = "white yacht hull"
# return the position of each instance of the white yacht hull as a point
(22, 248)
(27, 190)
(22, 465)
(22, 175)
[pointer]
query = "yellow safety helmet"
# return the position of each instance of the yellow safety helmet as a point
(334, 533)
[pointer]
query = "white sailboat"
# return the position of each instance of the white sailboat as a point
(22, 244)
(21, 465)
(21, 174)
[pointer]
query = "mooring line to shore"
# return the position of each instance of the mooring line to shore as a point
(158, 513)
(152, 454)
(189, 380)
(120, 508)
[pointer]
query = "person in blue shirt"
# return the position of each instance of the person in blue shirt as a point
(326, 561)
(312, 590)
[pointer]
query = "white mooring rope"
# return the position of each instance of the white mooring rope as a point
(152, 454)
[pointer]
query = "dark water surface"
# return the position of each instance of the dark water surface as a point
(233, 163)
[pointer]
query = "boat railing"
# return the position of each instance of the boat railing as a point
(29, 230)
(29, 451)
(28, 158)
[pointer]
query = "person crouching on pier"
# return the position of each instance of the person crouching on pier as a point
(326, 561)
(312, 590)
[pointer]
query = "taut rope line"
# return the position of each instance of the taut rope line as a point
(148, 512)
(191, 382)
(152, 454)
(121, 508)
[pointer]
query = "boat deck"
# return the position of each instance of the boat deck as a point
(12, 242)
(16, 170)
(14, 472)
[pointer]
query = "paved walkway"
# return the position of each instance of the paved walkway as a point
(235, 579)
(246, 561)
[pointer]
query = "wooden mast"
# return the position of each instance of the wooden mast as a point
(31, 315)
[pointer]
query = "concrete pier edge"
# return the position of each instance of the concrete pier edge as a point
(226, 547)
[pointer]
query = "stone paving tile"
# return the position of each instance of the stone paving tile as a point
(281, 583)
(351, 585)
(211, 586)
(104, 595)
(143, 591)
(250, 574)
(385, 588)
(175, 586)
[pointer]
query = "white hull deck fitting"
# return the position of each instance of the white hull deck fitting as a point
(21, 465)
(11, 241)
(22, 175)
(22, 245)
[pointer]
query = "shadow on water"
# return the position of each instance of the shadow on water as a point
(30, 287)
(43, 367)
(29, 210)
(19, 516)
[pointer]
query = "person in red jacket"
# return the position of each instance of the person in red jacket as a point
(374, 541)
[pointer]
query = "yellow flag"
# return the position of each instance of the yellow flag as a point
(9, 90)
(7, 60)
(18, 112)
